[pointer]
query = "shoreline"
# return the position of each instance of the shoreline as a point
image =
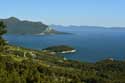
(65, 52)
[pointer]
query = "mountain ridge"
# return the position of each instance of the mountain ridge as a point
(17, 26)
(86, 26)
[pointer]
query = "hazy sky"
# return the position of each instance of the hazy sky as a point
(67, 12)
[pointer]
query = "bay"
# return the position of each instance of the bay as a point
(91, 44)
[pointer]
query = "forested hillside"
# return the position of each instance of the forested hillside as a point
(21, 65)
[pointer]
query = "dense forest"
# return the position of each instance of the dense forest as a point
(22, 65)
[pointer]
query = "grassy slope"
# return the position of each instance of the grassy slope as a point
(57, 70)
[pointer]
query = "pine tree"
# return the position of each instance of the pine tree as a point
(2, 31)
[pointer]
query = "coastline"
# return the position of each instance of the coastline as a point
(65, 52)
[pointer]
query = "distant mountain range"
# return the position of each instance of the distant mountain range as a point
(86, 27)
(17, 26)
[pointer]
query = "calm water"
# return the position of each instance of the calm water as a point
(91, 44)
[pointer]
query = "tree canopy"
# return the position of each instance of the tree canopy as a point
(2, 31)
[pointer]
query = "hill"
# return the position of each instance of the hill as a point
(21, 65)
(17, 26)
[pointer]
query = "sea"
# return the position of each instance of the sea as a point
(92, 44)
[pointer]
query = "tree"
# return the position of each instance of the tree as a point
(2, 31)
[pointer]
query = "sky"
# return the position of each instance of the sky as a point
(67, 12)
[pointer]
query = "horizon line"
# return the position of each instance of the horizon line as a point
(65, 25)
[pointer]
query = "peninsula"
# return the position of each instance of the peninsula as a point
(60, 49)
(26, 27)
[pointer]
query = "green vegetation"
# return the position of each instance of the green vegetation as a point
(21, 65)
(60, 49)
(2, 31)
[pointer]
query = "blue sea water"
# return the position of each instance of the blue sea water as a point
(91, 44)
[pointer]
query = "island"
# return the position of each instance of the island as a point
(64, 49)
